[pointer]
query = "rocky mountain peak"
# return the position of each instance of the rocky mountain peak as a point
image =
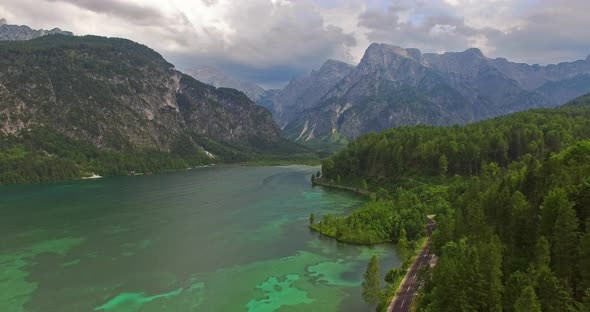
(377, 51)
(331, 66)
(391, 57)
(474, 52)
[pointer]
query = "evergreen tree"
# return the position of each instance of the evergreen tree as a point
(443, 165)
(550, 209)
(371, 289)
(551, 292)
(542, 253)
(527, 302)
(564, 245)
(402, 247)
(488, 265)
(584, 258)
(513, 289)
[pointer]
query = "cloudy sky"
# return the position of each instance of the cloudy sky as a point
(272, 41)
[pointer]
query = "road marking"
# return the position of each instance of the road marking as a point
(402, 304)
(408, 288)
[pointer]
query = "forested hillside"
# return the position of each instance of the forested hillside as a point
(427, 150)
(513, 233)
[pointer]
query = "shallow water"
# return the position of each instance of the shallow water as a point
(209, 239)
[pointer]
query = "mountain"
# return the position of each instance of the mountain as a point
(118, 95)
(216, 77)
(15, 32)
(304, 92)
(393, 87)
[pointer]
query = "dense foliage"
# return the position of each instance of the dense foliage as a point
(371, 289)
(378, 221)
(40, 155)
(425, 150)
(518, 235)
(514, 230)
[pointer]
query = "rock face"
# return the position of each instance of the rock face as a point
(305, 92)
(393, 86)
(15, 32)
(217, 78)
(117, 94)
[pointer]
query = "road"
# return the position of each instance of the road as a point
(409, 286)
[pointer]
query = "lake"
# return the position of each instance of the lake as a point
(209, 239)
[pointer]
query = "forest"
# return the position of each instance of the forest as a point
(42, 155)
(459, 150)
(515, 235)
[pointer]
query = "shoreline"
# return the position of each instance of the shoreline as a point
(351, 242)
(163, 171)
(318, 181)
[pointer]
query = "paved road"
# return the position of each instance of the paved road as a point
(409, 287)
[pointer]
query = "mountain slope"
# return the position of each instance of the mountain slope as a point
(393, 87)
(117, 95)
(304, 92)
(16, 32)
(218, 78)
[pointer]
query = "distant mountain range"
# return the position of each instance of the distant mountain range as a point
(16, 32)
(120, 95)
(390, 87)
(216, 77)
(393, 86)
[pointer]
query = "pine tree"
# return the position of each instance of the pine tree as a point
(515, 284)
(443, 165)
(551, 293)
(371, 289)
(527, 302)
(402, 247)
(486, 276)
(584, 258)
(542, 254)
(550, 210)
(565, 241)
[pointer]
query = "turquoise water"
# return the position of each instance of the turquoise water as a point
(209, 239)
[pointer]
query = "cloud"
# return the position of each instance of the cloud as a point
(271, 41)
(552, 31)
(139, 14)
(533, 31)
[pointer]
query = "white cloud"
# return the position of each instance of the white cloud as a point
(277, 39)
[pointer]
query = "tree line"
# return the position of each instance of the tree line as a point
(461, 150)
(514, 234)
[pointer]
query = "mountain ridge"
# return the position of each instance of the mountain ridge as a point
(392, 86)
(120, 95)
(23, 32)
